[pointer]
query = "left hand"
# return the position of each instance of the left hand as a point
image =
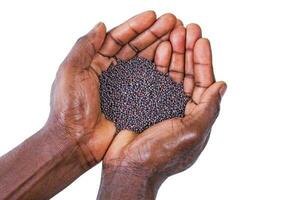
(75, 100)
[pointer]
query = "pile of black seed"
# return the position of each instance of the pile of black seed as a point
(134, 95)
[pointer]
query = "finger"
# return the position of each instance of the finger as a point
(84, 50)
(122, 139)
(209, 105)
(214, 92)
(100, 63)
(193, 33)
(122, 34)
(119, 36)
(177, 38)
(203, 70)
(100, 142)
(178, 23)
(149, 52)
(163, 57)
(161, 27)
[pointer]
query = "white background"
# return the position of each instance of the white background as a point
(254, 149)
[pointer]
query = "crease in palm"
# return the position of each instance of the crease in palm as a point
(179, 51)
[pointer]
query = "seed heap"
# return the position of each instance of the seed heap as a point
(134, 95)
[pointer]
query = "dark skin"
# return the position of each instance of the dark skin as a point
(77, 135)
(136, 165)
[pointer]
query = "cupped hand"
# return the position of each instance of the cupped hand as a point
(75, 101)
(173, 145)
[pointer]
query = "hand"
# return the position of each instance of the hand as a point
(75, 101)
(77, 134)
(144, 161)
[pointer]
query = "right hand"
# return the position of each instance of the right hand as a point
(173, 145)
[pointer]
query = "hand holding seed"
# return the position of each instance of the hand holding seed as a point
(75, 103)
(77, 135)
(145, 160)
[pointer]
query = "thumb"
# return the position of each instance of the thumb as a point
(214, 93)
(86, 47)
(209, 105)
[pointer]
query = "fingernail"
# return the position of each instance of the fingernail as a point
(223, 90)
(97, 25)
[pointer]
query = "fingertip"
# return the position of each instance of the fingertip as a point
(140, 21)
(220, 84)
(147, 14)
(222, 87)
(206, 41)
(202, 52)
(216, 89)
(202, 43)
(179, 23)
(150, 12)
(177, 38)
(99, 24)
(171, 18)
(193, 33)
(209, 102)
(194, 27)
(98, 34)
(101, 28)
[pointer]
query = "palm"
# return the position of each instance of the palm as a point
(173, 145)
(75, 94)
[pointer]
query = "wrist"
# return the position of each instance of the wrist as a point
(68, 147)
(47, 162)
(124, 182)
